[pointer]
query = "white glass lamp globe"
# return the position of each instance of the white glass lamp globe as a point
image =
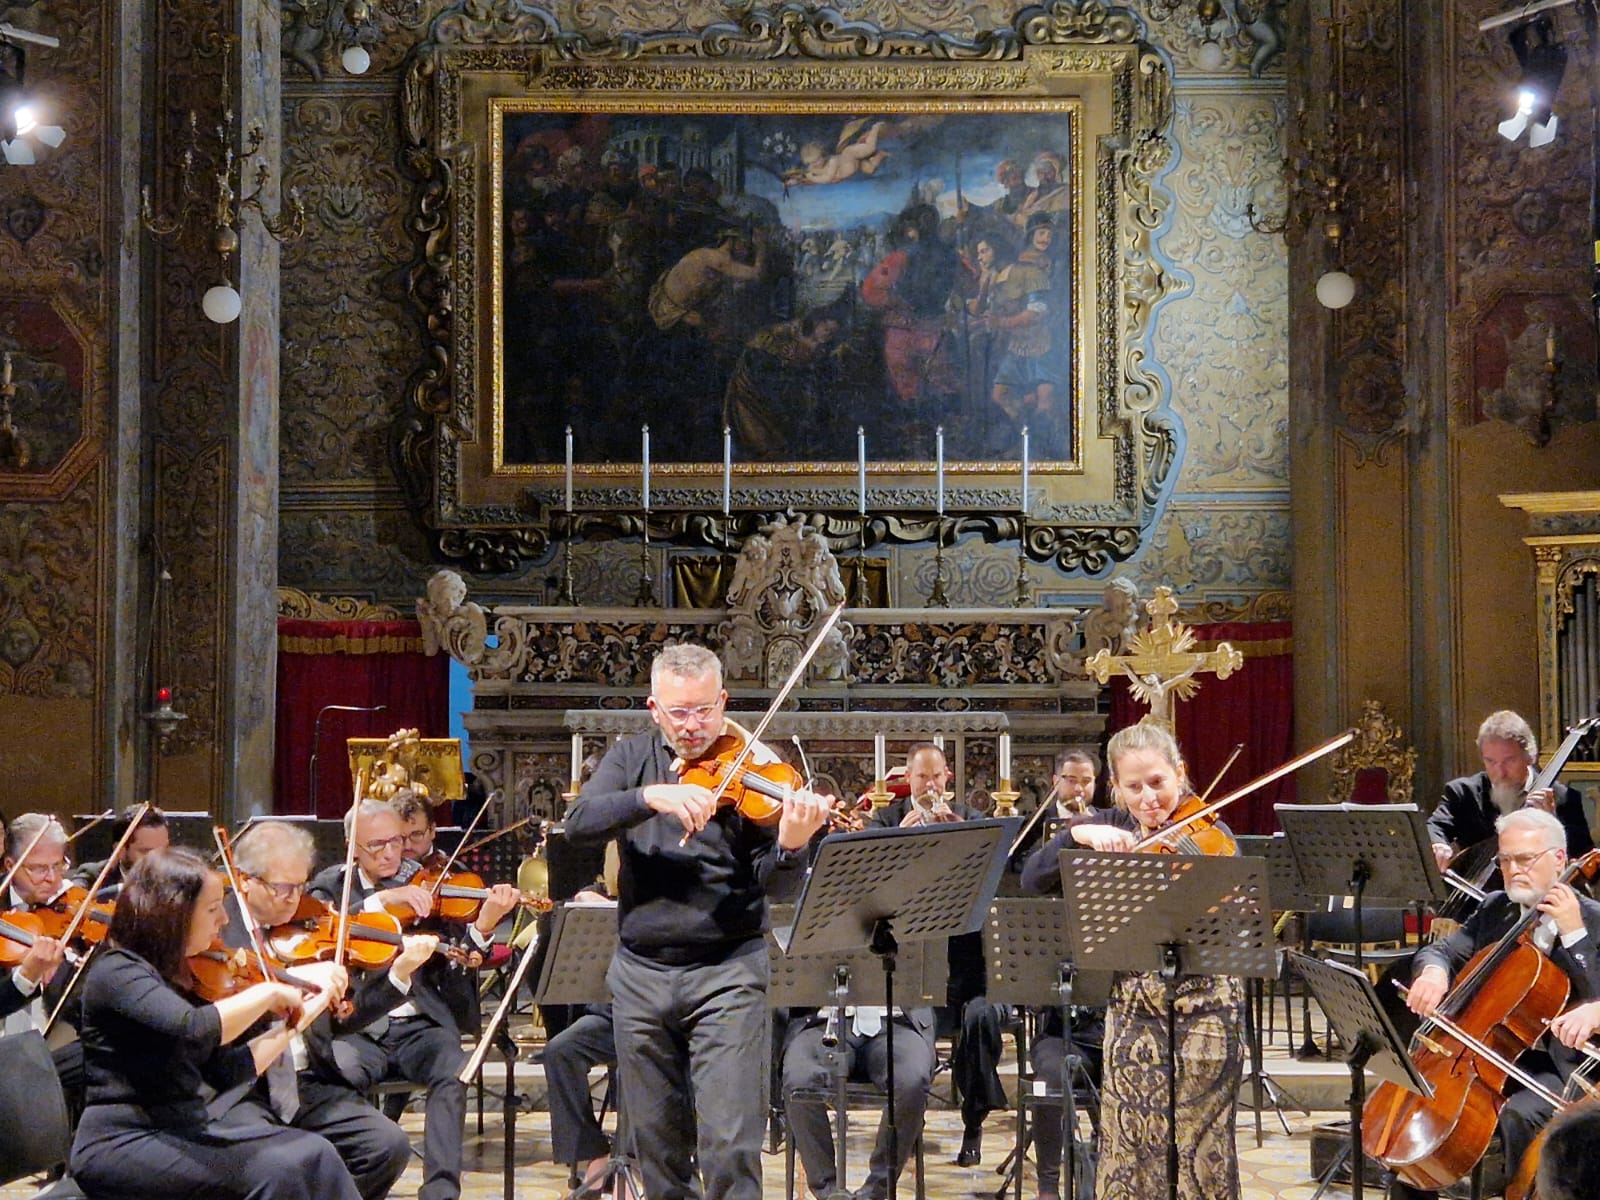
(1335, 289)
(221, 303)
(355, 60)
(1210, 56)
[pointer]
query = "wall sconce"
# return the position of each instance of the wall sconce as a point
(221, 303)
(1209, 56)
(1544, 63)
(21, 129)
(1318, 181)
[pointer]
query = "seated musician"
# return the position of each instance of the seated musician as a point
(1532, 857)
(273, 860)
(1466, 815)
(1149, 783)
(151, 835)
(149, 1042)
(1569, 1169)
(865, 1043)
(30, 990)
(420, 1039)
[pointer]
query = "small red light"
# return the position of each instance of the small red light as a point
(163, 695)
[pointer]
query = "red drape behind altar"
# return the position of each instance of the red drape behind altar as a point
(1255, 705)
(363, 663)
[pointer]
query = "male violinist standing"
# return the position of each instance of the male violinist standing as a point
(689, 979)
(1531, 859)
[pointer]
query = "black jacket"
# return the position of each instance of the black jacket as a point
(1466, 815)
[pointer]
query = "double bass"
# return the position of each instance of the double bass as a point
(1466, 1052)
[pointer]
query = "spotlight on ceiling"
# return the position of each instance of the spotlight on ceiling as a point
(22, 130)
(1544, 62)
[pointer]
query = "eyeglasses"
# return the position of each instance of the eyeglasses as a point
(699, 712)
(281, 891)
(1514, 862)
(420, 837)
(40, 870)
(390, 843)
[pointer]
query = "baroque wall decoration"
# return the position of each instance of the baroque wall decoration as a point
(51, 580)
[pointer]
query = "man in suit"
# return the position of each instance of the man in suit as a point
(420, 1039)
(30, 990)
(1532, 856)
(273, 860)
(1466, 815)
(151, 835)
(689, 978)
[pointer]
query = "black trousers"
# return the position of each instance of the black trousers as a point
(372, 1147)
(975, 1061)
(700, 1030)
(1088, 1034)
(806, 1064)
(588, 1042)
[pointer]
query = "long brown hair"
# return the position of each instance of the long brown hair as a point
(156, 906)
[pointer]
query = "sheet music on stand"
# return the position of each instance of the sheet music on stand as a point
(1025, 941)
(1380, 852)
(1285, 887)
(583, 937)
(1123, 908)
(922, 971)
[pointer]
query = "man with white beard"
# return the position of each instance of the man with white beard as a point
(1567, 931)
(1471, 804)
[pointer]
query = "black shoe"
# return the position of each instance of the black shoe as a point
(971, 1152)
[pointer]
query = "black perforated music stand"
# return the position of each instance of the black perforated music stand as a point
(881, 886)
(1356, 1015)
(1373, 852)
(840, 979)
(1172, 914)
(583, 937)
(1030, 963)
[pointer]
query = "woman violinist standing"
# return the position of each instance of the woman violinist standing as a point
(145, 1131)
(1149, 783)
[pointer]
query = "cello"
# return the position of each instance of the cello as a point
(1505, 996)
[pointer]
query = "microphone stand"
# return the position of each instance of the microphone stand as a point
(316, 737)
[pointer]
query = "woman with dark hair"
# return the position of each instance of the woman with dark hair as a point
(148, 1042)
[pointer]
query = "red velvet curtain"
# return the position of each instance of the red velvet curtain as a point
(362, 663)
(1255, 705)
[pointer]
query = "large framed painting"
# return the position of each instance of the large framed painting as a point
(825, 265)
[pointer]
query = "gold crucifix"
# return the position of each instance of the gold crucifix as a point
(1161, 662)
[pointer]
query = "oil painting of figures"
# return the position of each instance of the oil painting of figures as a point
(790, 275)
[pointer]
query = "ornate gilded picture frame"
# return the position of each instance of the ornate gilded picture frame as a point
(813, 232)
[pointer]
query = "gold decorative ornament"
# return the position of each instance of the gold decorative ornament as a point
(1161, 662)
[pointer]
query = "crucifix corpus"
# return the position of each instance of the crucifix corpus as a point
(1161, 661)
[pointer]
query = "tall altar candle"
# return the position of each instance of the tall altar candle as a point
(880, 757)
(577, 756)
(645, 455)
(861, 469)
(938, 741)
(938, 449)
(1005, 756)
(1024, 470)
(568, 500)
(727, 470)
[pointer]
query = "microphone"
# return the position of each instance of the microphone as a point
(316, 737)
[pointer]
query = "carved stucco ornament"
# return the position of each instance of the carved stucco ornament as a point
(1379, 744)
(785, 582)
(454, 624)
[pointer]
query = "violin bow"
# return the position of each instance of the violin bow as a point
(450, 860)
(83, 911)
(498, 833)
(486, 1038)
(342, 941)
(795, 676)
(1255, 785)
(90, 824)
(251, 925)
(1217, 778)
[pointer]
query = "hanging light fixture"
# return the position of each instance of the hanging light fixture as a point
(23, 116)
(1544, 62)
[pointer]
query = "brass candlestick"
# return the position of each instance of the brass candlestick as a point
(1005, 799)
(879, 794)
(645, 597)
(938, 598)
(565, 593)
(861, 565)
(1022, 598)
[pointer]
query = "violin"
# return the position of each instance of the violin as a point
(755, 790)
(57, 916)
(375, 940)
(218, 972)
(1506, 994)
(1194, 832)
(457, 896)
(18, 932)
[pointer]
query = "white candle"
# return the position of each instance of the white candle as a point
(938, 740)
(645, 456)
(1024, 470)
(938, 449)
(861, 469)
(727, 470)
(880, 757)
(577, 755)
(569, 477)
(1005, 756)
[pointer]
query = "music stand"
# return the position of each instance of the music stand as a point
(1030, 964)
(1368, 851)
(880, 886)
(1356, 1015)
(583, 937)
(1173, 914)
(1287, 894)
(837, 979)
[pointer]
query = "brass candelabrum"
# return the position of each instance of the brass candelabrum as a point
(1005, 799)
(645, 597)
(862, 600)
(1022, 597)
(938, 597)
(566, 594)
(879, 794)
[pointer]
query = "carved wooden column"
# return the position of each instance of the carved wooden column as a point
(213, 419)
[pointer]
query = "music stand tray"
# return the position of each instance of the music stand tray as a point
(583, 937)
(1377, 852)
